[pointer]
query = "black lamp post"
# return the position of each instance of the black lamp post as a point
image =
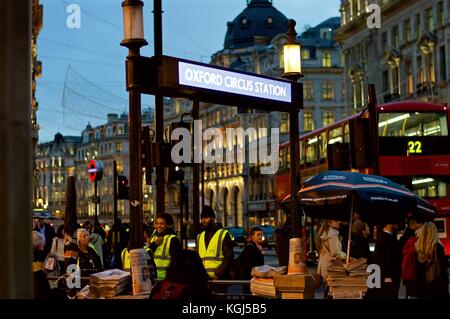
(292, 71)
(133, 26)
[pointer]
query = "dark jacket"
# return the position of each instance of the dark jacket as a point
(408, 233)
(387, 255)
(359, 248)
(89, 262)
(438, 288)
(250, 257)
(175, 245)
(224, 269)
(282, 237)
(49, 235)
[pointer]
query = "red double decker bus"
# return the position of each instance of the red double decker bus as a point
(414, 150)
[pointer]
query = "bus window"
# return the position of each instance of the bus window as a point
(323, 147)
(311, 151)
(283, 158)
(346, 133)
(413, 124)
(335, 136)
(302, 153)
(430, 187)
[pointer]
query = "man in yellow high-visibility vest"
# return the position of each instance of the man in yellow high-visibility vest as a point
(215, 246)
(164, 243)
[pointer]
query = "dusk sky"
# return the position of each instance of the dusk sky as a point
(83, 72)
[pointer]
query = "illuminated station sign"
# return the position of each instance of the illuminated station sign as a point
(173, 77)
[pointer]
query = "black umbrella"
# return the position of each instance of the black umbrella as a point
(378, 200)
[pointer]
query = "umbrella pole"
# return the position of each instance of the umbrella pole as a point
(349, 233)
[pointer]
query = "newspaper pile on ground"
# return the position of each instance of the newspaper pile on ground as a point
(347, 281)
(262, 282)
(109, 283)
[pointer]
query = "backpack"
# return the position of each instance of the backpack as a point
(409, 260)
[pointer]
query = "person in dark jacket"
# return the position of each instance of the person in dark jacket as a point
(410, 231)
(251, 256)
(359, 247)
(282, 236)
(212, 238)
(88, 260)
(186, 279)
(387, 256)
(432, 264)
(48, 232)
(41, 285)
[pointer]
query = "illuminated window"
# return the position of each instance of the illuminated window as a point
(326, 58)
(409, 78)
(284, 123)
(327, 118)
(119, 147)
(305, 54)
(308, 90)
(217, 117)
(328, 90)
(308, 121)
(407, 30)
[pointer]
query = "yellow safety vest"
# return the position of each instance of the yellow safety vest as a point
(212, 256)
(162, 256)
(126, 261)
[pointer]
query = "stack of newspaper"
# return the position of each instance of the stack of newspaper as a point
(109, 283)
(347, 281)
(262, 282)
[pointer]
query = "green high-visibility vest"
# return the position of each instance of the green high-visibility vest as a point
(126, 261)
(162, 256)
(212, 256)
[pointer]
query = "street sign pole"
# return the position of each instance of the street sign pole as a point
(96, 202)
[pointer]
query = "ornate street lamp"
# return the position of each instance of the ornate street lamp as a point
(291, 51)
(133, 27)
(292, 71)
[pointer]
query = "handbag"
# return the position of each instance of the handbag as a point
(432, 269)
(50, 263)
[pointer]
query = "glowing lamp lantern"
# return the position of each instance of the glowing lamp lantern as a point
(291, 51)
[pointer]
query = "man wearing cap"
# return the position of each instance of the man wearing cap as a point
(215, 246)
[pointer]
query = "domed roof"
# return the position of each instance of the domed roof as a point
(259, 22)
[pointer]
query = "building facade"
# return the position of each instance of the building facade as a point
(107, 143)
(37, 14)
(406, 58)
(54, 163)
(239, 193)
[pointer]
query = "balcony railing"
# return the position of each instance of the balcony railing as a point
(425, 88)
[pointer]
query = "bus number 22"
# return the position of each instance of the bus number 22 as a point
(414, 147)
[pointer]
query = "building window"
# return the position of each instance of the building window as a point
(395, 37)
(308, 90)
(443, 63)
(326, 58)
(409, 78)
(325, 33)
(441, 14)
(429, 19)
(407, 30)
(384, 42)
(284, 123)
(328, 90)
(327, 118)
(385, 79)
(217, 117)
(306, 54)
(308, 122)
(418, 26)
(420, 73)
(119, 147)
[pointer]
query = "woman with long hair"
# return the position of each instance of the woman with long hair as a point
(432, 265)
